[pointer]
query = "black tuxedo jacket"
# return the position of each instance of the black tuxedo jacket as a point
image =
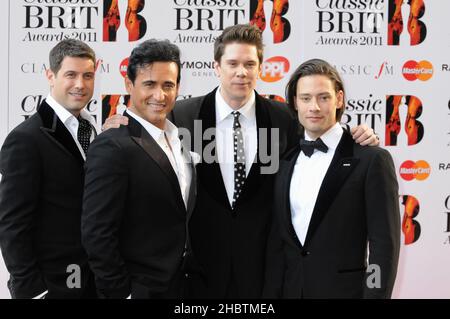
(40, 208)
(357, 208)
(230, 245)
(134, 218)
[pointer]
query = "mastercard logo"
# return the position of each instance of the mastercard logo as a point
(123, 67)
(419, 170)
(274, 69)
(413, 70)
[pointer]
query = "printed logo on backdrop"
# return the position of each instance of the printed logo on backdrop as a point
(198, 68)
(402, 124)
(53, 21)
(121, 16)
(448, 133)
(123, 67)
(261, 10)
(419, 170)
(114, 104)
(405, 24)
(410, 226)
(40, 67)
(366, 110)
(376, 71)
(447, 215)
(360, 23)
(274, 69)
(201, 21)
(29, 104)
(413, 70)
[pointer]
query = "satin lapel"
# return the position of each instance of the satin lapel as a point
(55, 130)
(341, 166)
(287, 169)
(154, 151)
(193, 188)
(209, 173)
(255, 179)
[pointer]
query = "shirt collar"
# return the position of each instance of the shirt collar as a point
(169, 128)
(223, 109)
(331, 138)
(63, 114)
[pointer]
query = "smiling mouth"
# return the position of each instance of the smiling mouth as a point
(157, 106)
(77, 95)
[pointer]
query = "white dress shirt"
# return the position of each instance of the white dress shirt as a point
(225, 141)
(307, 178)
(170, 143)
(70, 121)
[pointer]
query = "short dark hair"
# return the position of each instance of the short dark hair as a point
(151, 51)
(239, 33)
(71, 48)
(314, 67)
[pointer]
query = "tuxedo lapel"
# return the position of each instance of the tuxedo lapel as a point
(210, 172)
(286, 170)
(193, 187)
(341, 166)
(55, 130)
(255, 179)
(154, 151)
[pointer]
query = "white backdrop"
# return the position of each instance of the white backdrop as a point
(347, 37)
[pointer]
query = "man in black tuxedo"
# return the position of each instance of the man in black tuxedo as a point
(230, 223)
(335, 201)
(41, 190)
(140, 187)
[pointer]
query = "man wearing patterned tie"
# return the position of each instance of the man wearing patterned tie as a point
(335, 201)
(41, 163)
(230, 222)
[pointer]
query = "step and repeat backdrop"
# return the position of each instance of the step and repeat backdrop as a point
(394, 56)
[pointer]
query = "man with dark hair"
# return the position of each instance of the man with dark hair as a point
(230, 223)
(334, 202)
(42, 184)
(140, 187)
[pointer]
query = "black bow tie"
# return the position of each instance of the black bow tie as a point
(309, 146)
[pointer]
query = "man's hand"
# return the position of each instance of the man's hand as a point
(114, 122)
(364, 135)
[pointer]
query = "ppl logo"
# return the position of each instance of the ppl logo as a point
(274, 69)
(402, 124)
(413, 70)
(279, 25)
(410, 226)
(114, 11)
(123, 67)
(419, 170)
(406, 13)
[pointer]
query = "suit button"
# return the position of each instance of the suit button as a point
(305, 253)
